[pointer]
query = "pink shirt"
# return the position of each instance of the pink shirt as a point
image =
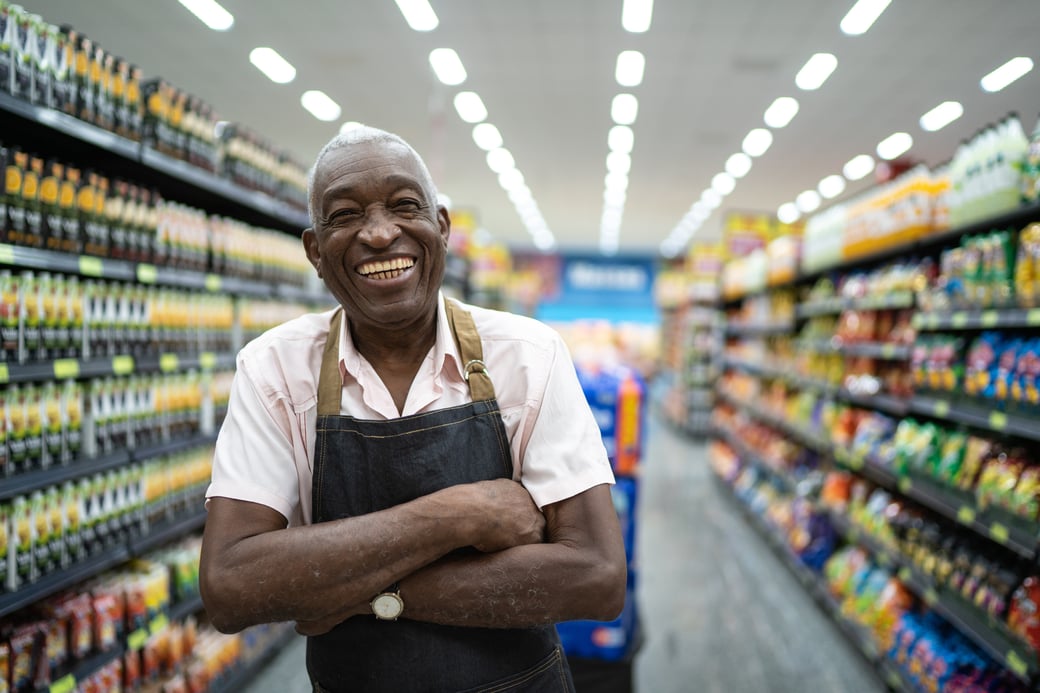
(264, 452)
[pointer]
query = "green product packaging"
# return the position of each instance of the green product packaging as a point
(91, 514)
(24, 536)
(951, 457)
(17, 428)
(41, 520)
(34, 426)
(6, 549)
(31, 317)
(5, 458)
(72, 418)
(54, 507)
(53, 442)
(10, 311)
(72, 516)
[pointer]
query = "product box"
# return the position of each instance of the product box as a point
(617, 399)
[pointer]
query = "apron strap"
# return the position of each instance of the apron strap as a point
(330, 384)
(471, 352)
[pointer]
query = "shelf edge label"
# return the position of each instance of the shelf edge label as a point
(5, 373)
(990, 318)
(207, 360)
(147, 274)
(66, 368)
(1033, 317)
(66, 684)
(137, 639)
(999, 532)
(122, 365)
(91, 266)
(158, 623)
(966, 514)
(169, 363)
(998, 420)
(959, 319)
(213, 282)
(905, 484)
(1016, 663)
(931, 597)
(6, 254)
(904, 574)
(941, 408)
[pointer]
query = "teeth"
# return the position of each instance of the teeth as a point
(386, 269)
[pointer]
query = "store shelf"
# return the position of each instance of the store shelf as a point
(1007, 318)
(979, 414)
(831, 306)
(27, 482)
(759, 329)
(751, 457)
(63, 369)
(63, 579)
(896, 406)
(241, 675)
(165, 532)
(822, 306)
(186, 607)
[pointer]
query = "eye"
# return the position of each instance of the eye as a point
(340, 216)
(408, 204)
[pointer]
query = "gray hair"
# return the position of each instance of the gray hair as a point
(363, 134)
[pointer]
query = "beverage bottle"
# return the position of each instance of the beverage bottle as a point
(68, 204)
(84, 78)
(68, 93)
(1030, 181)
(85, 204)
(115, 207)
(53, 223)
(43, 50)
(121, 115)
(7, 36)
(24, 53)
(101, 217)
(61, 68)
(17, 163)
(134, 104)
(33, 207)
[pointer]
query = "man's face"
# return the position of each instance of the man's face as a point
(379, 240)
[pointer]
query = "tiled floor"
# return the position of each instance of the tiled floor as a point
(720, 612)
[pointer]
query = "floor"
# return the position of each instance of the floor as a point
(720, 612)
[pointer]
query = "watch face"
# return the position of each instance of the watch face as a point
(387, 606)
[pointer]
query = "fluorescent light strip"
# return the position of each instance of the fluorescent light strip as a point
(808, 201)
(941, 116)
(816, 71)
(320, 105)
(500, 160)
(274, 66)
(629, 69)
(788, 213)
(418, 13)
(210, 13)
(624, 109)
(858, 167)
(469, 107)
(447, 66)
(781, 112)
(621, 139)
(894, 145)
(487, 136)
(636, 15)
(757, 142)
(831, 186)
(862, 16)
(1007, 73)
(738, 165)
(723, 184)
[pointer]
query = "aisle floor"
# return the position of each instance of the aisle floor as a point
(720, 612)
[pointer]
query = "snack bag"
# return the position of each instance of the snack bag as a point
(1024, 611)
(1027, 266)
(981, 358)
(1024, 500)
(1004, 374)
(976, 451)
(951, 457)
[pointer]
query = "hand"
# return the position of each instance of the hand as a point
(323, 625)
(510, 516)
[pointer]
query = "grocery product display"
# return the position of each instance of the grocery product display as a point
(132, 268)
(879, 419)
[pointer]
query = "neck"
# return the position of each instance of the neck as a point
(395, 348)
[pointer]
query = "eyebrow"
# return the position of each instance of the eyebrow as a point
(398, 180)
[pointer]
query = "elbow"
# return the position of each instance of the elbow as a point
(218, 598)
(615, 590)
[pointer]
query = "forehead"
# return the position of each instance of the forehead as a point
(354, 163)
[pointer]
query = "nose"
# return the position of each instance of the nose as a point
(380, 229)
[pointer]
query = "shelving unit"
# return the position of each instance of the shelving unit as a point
(1009, 536)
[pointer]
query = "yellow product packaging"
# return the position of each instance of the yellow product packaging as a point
(1027, 266)
(41, 522)
(17, 428)
(34, 426)
(24, 535)
(72, 516)
(52, 424)
(55, 508)
(72, 419)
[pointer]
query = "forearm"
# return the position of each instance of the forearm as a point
(520, 587)
(305, 573)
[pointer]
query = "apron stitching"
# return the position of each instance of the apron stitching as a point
(408, 433)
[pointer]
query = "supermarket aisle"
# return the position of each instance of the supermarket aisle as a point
(720, 612)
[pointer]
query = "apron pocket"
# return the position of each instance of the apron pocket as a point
(547, 676)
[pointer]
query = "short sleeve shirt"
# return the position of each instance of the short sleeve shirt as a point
(265, 448)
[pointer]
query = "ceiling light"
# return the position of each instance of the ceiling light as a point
(738, 165)
(275, 67)
(619, 162)
(858, 166)
(500, 160)
(862, 16)
(788, 213)
(629, 70)
(469, 106)
(511, 178)
(447, 66)
(616, 181)
(520, 195)
(320, 105)
(669, 250)
(894, 145)
(781, 111)
(807, 201)
(636, 15)
(210, 13)
(1006, 74)
(621, 139)
(941, 116)
(487, 136)
(831, 186)
(348, 126)
(418, 13)
(544, 242)
(816, 71)
(624, 109)
(723, 183)
(711, 199)
(614, 197)
(610, 217)
(757, 142)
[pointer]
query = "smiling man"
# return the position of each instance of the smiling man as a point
(419, 484)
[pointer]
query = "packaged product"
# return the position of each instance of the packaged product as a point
(1024, 611)
(1025, 381)
(34, 426)
(1027, 266)
(24, 538)
(951, 457)
(1004, 374)
(5, 547)
(10, 312)
(41, 521)
(108, 618)
(25, 656)
(52, 424)
(980, 363)
(72, 416)
(5, 662)
(72, 513)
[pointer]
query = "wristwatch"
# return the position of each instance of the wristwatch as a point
(388, 605)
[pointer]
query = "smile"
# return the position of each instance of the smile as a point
(386, 269)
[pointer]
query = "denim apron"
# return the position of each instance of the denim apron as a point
(363, 466)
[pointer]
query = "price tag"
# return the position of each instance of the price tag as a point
(169, 363)
(998, 420)
(1016, 663)
(999, 532)
(6, 254)
(66, 684)
(856, 463)
(207, 360)
(966, 514)
(904, 574)
(123, 365)
(918, 321)
(931, 597)
(959, 320)
(66, 368)
(91, 266)
(941, 408)
(213, 282)
(883, 559)
(147, 274)
(905, 484)
(990, 318)
(5, 375)
(893, 680)
(888, 351)
(137, 639)
(1033, 317)
(158, 623)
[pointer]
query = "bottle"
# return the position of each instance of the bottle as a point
(84, 76)
(33, 209)
(121, 114)
(68, 203)
(68, 92)
(134, 105)
(52, 226)
(7, 22)
(17, 162)
(114, 209)
(24, 50)
(1030, 179)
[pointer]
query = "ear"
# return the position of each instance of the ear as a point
(444, 222)
(310, 246)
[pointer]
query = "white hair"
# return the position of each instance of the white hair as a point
(363, 134)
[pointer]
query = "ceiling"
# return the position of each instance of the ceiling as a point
(545, 71)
